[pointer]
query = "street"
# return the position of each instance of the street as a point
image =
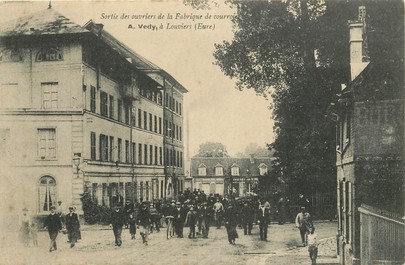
(97, 247)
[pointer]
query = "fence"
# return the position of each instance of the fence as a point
(382, 237)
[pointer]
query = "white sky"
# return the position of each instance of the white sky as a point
(216, 110)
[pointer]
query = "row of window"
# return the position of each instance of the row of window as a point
(146, 121)
(235, 170)
(173, 104)
(173, 131)
(123, 152)
(46, 54)
(144, 191)
(151, 95)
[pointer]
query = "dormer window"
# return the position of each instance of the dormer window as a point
(49, 54)
(202, 170)
(235, 170)
(262, 169)
(219, 170)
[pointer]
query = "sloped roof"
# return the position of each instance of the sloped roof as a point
(227, 162)
(44, 22)
(139, 61)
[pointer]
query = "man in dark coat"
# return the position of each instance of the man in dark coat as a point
(247, 215)
(144, 219)
(54, 225)
(72, 226)
(116, 222)
(204, 217)
(263, 218)
(230, 217)
(179, 215)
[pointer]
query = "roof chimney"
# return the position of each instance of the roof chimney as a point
(252, 159)
(359, 58)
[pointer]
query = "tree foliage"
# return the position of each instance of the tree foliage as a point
(212, 149)
(297, 51)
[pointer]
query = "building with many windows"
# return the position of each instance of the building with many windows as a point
(238, 177)
(80, 111)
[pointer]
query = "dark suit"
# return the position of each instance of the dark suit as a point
(117, 221)
(263, 217)
(247, 216)
(53, 224)
(179, 215)
(72, 226)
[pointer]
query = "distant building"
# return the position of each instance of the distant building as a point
(369, 146)
(238, 177)
(81, 112)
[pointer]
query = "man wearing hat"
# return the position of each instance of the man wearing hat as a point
(72, 226)
(117, 222)
(303, 222)
(144, 219)
(179, 215)
(263, 218)
(53, 224)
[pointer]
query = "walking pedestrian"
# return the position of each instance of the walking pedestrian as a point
(205, 215)
(132, 226)
(230, 217)
(54, 225)
(313, 245)
(34, 234)
(303, 222)
(128, 209)
(25, 224)
(144, 219)
(72, 226)
(263, 218)
(178, 220)
(191, 220)
(281, 211)
(218, 212)
(247, 215)
(117, 222)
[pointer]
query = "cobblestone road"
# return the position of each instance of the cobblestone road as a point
(97, 247)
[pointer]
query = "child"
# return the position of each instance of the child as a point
(312, 245)
(34, 234)
(132, 226)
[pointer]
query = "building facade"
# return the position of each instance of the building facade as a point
(81, 112)
(369, 144)
(236, 177)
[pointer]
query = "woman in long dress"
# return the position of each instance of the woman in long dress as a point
(25, 224)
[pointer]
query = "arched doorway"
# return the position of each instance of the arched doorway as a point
(46, 193)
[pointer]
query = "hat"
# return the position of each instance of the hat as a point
(178, 203)
(25, 209)
(302, 208)
(71, 207)
(53, 207)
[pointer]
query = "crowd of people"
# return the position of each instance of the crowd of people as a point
(194, 210)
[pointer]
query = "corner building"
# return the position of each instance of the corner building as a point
(81, 112)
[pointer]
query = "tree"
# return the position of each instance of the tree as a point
(285, 49)
(212, 149)
(297, 51)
